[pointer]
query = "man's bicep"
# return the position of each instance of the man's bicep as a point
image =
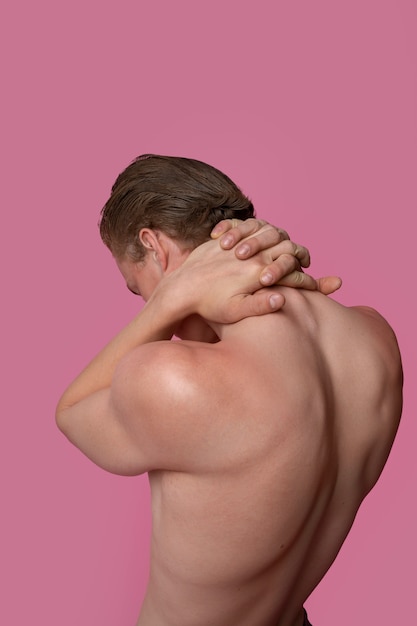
(94, 426)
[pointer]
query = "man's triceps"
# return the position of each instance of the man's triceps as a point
(93, 425)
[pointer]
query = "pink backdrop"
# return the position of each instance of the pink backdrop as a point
(311, 108)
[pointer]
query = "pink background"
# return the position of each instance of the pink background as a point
(311, 107)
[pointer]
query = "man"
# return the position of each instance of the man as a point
(262, 430)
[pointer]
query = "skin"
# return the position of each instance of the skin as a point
(261, 434)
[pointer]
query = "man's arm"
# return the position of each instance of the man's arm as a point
(211, 283)
(154, 323)
(155, 415)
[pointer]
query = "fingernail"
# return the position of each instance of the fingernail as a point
(217, 229)
(244, 249)
(267, 278)
(275, 301)
(227, 240)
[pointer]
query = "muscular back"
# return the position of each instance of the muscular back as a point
(268, 441)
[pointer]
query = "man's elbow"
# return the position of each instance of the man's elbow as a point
(61, 417)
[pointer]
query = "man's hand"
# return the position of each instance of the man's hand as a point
(214, 284)
(288, 258)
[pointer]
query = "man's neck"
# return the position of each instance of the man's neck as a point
(194, 328)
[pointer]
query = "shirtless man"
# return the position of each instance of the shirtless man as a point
(262, 430)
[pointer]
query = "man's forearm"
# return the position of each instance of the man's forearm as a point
(156, 322)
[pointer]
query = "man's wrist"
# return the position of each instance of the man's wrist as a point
(173, 300)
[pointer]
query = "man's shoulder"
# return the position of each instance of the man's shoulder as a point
(166, 372)
(169, 356)
(168, 394)
(379, 332)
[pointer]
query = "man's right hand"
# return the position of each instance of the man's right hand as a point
(288, 258)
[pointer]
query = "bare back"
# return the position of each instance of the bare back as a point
(281, 428)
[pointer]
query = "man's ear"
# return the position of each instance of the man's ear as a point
(152, 241)
(165, 251)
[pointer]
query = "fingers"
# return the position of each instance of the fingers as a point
(299, 280)
(264, 242)
(283, 258)
(241, 228)
(280, 273)
(283, 266)
(329, 284)
(265, 239)
(259, 236)
(236, 230)
(223, 226)
(262, 302)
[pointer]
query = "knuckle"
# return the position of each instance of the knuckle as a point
(284, 247)
(299, 278)
(253, 225)
(283, 235)
(289, 261)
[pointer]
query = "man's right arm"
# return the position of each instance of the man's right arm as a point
(212, 283)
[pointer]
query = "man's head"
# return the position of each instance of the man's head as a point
(180, 197)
